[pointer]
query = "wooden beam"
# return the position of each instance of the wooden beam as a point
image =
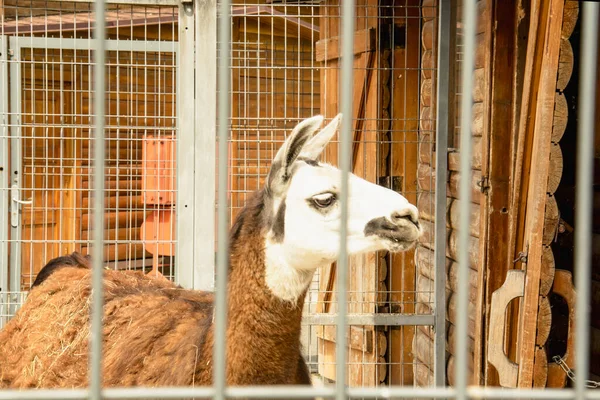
(536, 202)
(329, 49)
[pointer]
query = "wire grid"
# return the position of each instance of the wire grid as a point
(558, 395)
(52, 79)
(276, 82)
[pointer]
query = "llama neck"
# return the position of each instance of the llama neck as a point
(263, 333)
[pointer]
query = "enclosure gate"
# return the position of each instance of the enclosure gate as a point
(194, 106)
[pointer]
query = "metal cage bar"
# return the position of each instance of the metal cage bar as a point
(220, 321)
(469, 23)
(220, 390)
(443, 125)
(348, 12)
(4, 173)
(584, 185)
(97, 311)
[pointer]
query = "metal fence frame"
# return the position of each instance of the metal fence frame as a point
(219, 389)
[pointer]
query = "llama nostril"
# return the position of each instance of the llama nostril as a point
(398, 216)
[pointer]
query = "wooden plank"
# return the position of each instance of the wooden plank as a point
(403, 160)
(426, 178)
(563, 286)
(426, 206)
(570, 16)
(540, 368)
(329, 49)
(427, 154)
(427, 34)
(426, 269)
(565, 64)
(116, 219)
(547, 271)
(121, 251)
(551, 220)
(512, 287)
(427, 240)
(534, 220)
(544, 321)
(499, 139)
(555, 169)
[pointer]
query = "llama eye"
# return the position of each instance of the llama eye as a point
(324, 200)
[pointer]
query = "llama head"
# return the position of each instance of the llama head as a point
(304, 213)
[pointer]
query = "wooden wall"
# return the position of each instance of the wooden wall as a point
(423, 342)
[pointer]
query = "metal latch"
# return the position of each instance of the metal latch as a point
(15, 206)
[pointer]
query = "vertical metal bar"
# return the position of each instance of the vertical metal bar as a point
(206, 118)
(224, 74)
(15, 165)
(441, 170)
(4, 175)
(585, 175)
(184, 269)
(347, 64)
(469, 24)
(99, 99)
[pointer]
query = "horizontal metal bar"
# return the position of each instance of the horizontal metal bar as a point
(371, 319)
(172, 3)
(85, 44)
(296, 392)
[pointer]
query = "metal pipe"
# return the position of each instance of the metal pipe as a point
(223, 74)
(296, 392)
(441, 171)
(585, 175)
(98, 229)
(347, 65)
(469, 23)
(371, 319)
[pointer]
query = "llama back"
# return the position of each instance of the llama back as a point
(153, 332)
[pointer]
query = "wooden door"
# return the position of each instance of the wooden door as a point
(46, 165)
(366, 365)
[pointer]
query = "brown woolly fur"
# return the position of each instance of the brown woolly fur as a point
(155, 333)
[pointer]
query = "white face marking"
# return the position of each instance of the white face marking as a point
(378, 218)
(311, 237)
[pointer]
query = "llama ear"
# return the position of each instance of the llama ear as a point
(315, 146)
(291, 149)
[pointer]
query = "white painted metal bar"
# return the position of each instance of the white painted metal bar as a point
(99, 98)
(4, 171)
(15, 165)
(173, 3)
(186, 156)
(220, 320)
(84, 44)
(443, 125)
(205, 136)
(297, 392)
(584, 185)
(345, 151)
(371, 319)
(469, 24)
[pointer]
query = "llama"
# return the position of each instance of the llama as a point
(158, 334)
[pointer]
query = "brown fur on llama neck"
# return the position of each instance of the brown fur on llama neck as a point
(157, 334)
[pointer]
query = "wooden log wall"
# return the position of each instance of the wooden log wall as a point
(556, 282)
(423, 341)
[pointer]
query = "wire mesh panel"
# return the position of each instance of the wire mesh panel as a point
(51, 145)
(381, 325)
(285, 67)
